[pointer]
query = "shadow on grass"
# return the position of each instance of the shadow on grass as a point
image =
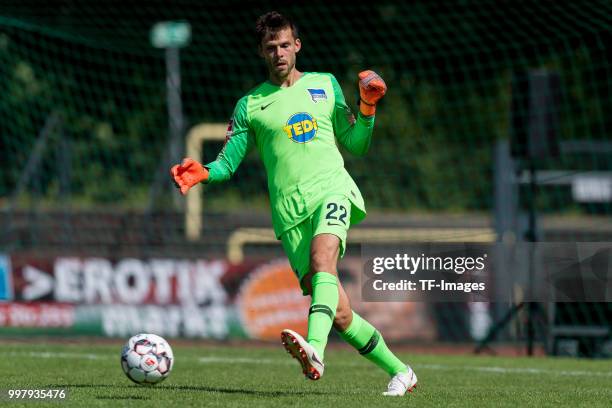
(260, 393)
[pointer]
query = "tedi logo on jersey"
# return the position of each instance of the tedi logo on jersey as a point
(317, 95)
(301, 127)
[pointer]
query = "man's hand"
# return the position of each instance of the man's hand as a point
(188, 174)
(371, 89)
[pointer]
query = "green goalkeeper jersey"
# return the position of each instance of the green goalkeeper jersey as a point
(295, 130)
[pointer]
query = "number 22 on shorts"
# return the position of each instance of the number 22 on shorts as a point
(336, 213)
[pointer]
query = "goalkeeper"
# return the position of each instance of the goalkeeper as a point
(294, 120)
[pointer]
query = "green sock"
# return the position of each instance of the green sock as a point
(368, 341)
(322, 310)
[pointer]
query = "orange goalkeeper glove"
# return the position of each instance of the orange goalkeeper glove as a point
(188, 174)
(371, 89)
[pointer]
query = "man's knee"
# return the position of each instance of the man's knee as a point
(324, 253)
(320, 260)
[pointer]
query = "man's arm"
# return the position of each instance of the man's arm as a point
(239, 141)
(355, 134)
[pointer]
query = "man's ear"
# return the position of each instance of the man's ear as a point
(260, 51)
(298, 45)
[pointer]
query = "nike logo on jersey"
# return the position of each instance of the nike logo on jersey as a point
(265, 106)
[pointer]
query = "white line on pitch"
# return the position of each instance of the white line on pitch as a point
(248, 360)
(52, 354)
(517, 370)
(436, 367)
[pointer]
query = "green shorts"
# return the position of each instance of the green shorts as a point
(332, 217)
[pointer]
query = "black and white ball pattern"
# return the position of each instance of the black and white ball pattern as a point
(147, 359)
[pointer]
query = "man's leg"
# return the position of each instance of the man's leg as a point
(360, 334)
(329, 225)
(355, 330)
(322, 283)
(323, 288)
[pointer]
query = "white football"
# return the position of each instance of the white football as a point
(147, 359)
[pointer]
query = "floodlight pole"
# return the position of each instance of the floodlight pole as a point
(171, 36)
(532, 238)
(176, 122)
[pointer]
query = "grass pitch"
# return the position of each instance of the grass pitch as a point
(216, 376)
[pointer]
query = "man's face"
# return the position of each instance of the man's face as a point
(279, 51)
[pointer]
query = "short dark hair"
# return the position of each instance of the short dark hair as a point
(271, 23)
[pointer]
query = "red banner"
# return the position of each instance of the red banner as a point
(39, 314)
(184, 298)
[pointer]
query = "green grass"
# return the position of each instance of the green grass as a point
(218, 376)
